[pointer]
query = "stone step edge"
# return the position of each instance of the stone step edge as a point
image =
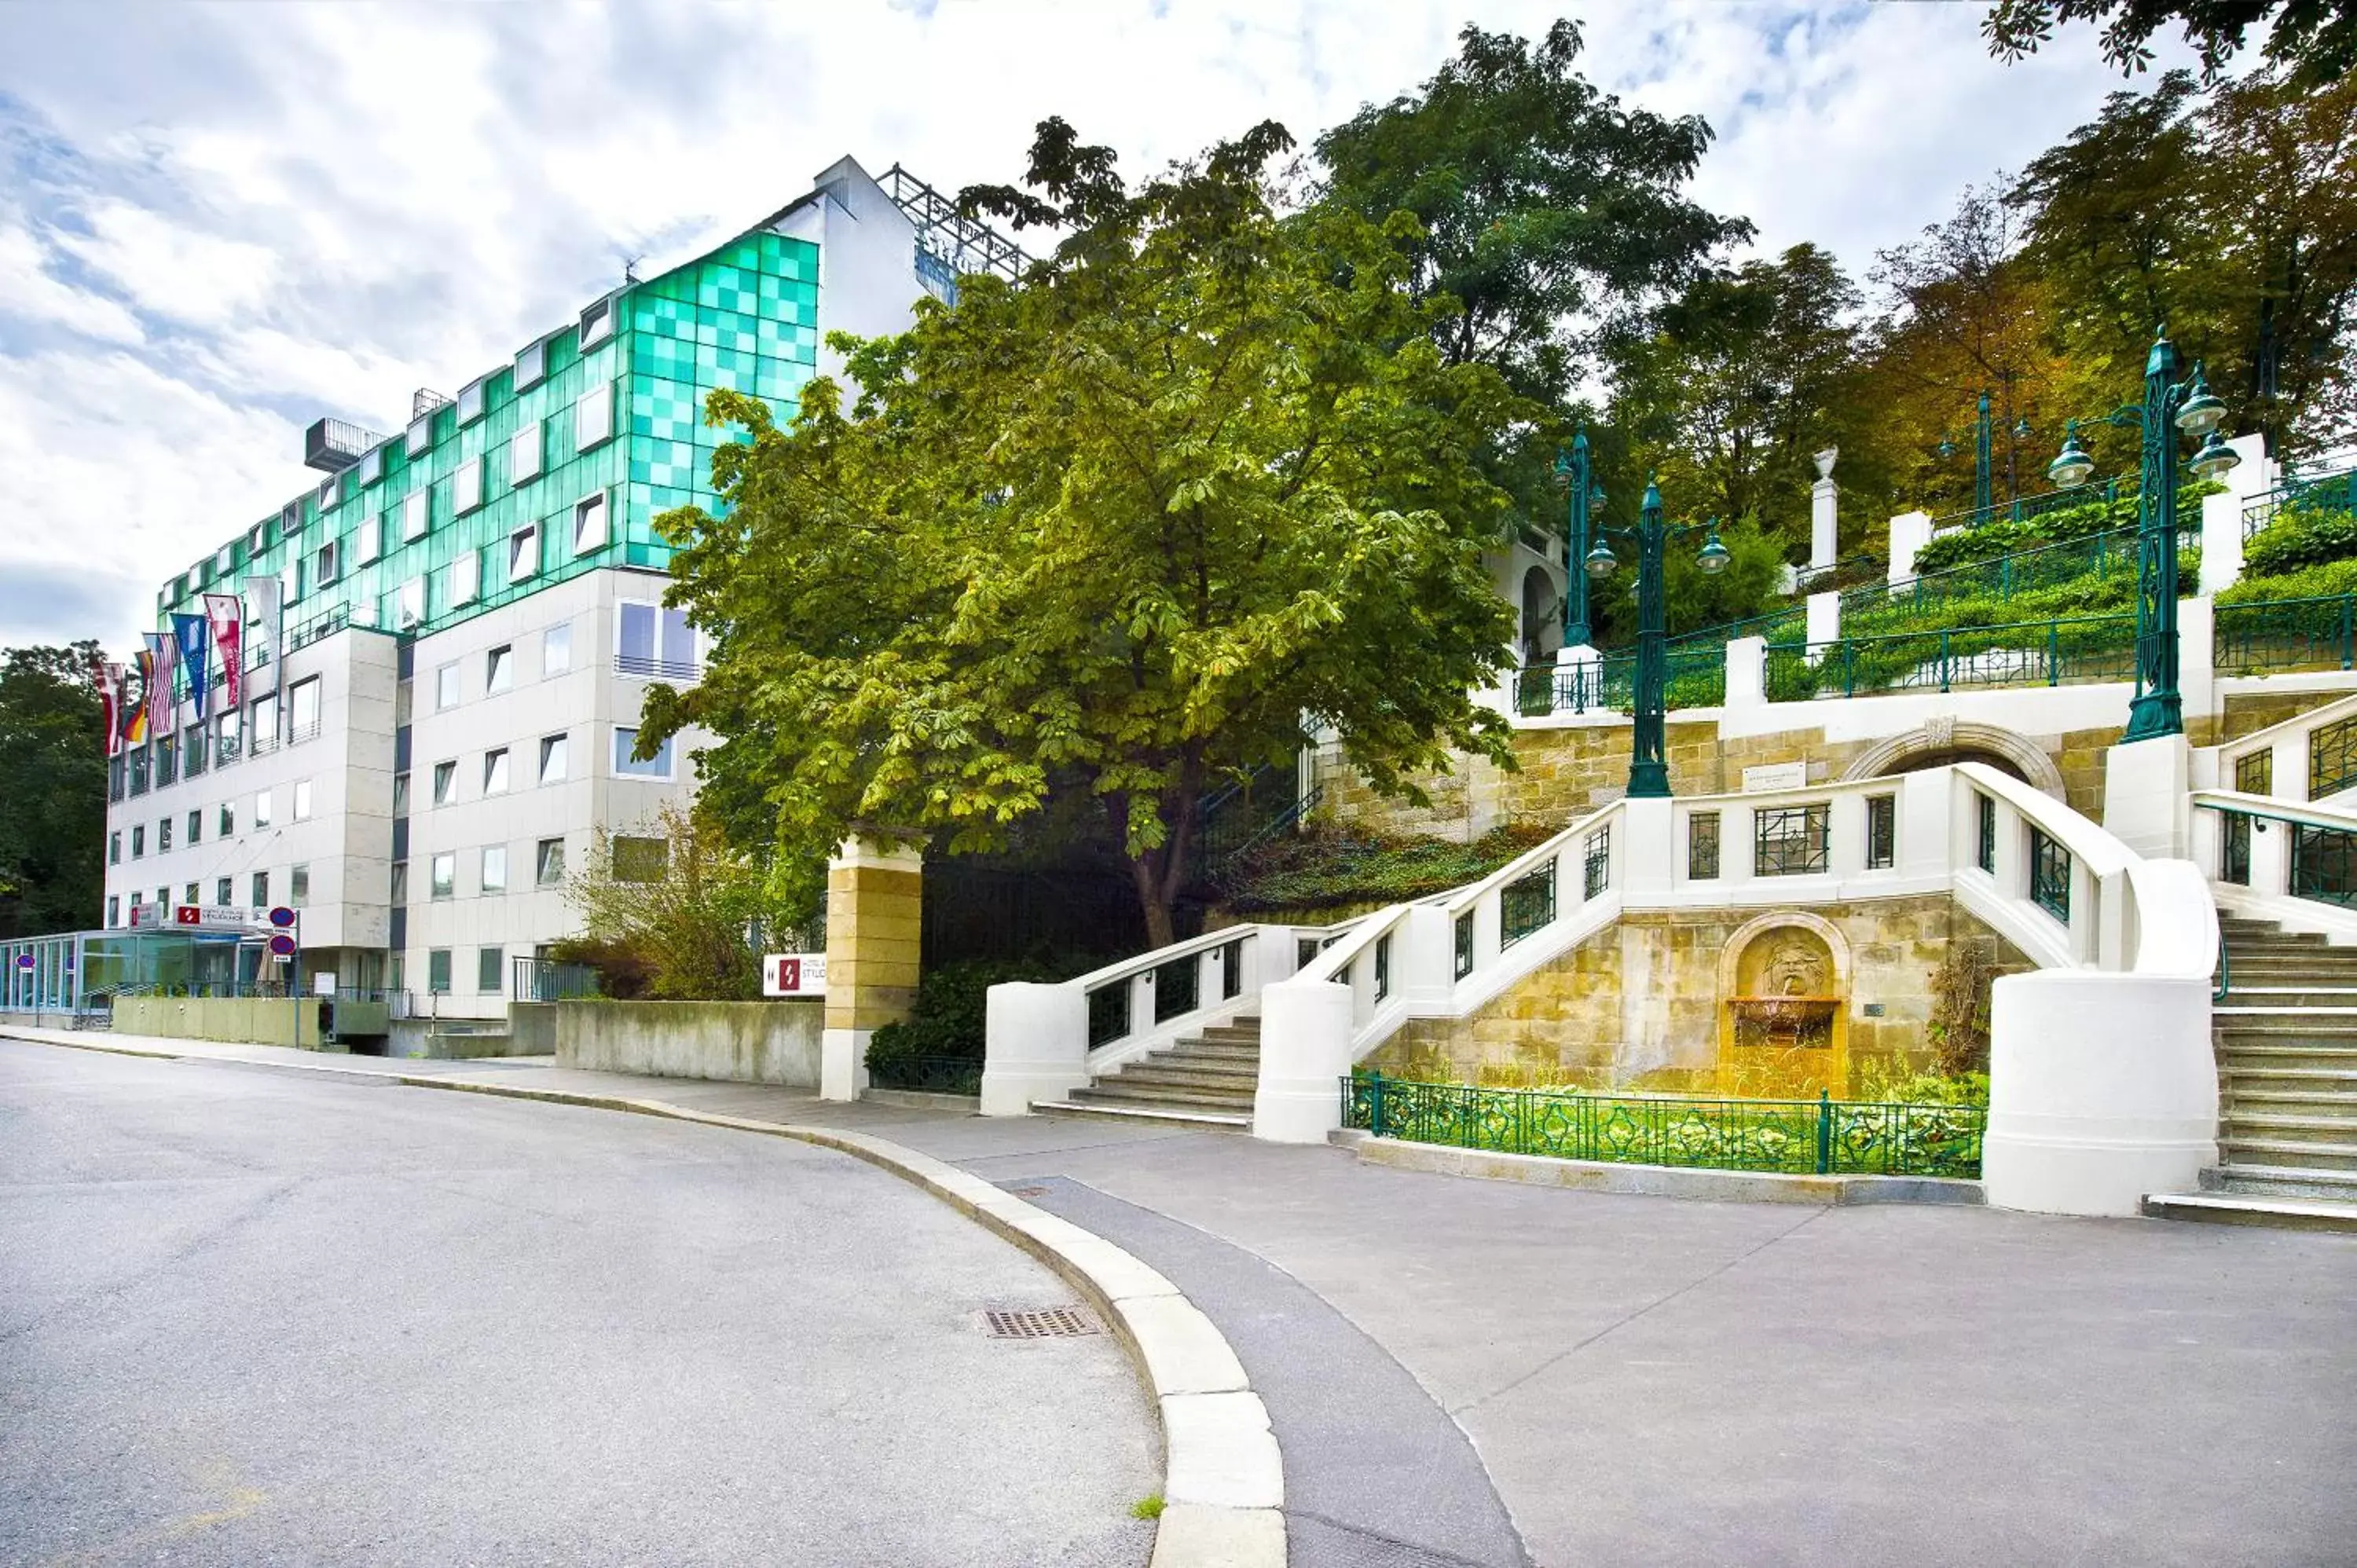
(1141, 1113)
(2251, 1208)
(1222, 1476)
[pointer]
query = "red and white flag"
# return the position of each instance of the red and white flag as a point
(108, 679)
(222, 610)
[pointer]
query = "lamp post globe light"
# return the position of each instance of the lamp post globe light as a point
(1649, 771)
(1574, 473)
(2169, 406)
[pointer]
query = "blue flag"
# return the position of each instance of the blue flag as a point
(195, 638)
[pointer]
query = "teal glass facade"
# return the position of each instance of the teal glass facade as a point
(610, 407)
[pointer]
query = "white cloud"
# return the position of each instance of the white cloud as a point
(313, 209)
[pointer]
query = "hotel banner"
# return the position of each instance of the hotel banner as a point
(196, 658)
(226, 615)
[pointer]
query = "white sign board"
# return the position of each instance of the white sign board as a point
(216, 917)
(793, 974)
(1776, 776)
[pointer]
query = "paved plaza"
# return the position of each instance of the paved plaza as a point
(1469, 1372)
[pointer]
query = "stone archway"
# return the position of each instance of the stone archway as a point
(1937, 742)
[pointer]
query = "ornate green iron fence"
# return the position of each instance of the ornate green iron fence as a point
(1526, 905)
(2062, 651)
(2287, 634)
(2323, 865)
(2049, 875)
(2110, 554)
(1696, 679)
(1792, 840)
(1822, 1137)
(2317, 492)
(2331, 759)
(2021, 508)
(937, 1074)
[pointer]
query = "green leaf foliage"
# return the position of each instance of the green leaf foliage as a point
(952, 1003)
(1199, 476)
(1320, 870)
(2300, 537)
(52, 790)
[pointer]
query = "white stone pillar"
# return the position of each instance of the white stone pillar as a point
(1035, 1046)
(2103, 1088)
(1747, 673)
(1825, 509)
(1824, 623)
(1647, 851)
(1305, 1054)
(2222, 514)
(1909, 532)
(2145, 804)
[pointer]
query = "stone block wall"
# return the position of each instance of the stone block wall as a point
(772, 1042)
(1638, 1006)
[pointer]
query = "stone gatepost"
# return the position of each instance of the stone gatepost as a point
(874, 899)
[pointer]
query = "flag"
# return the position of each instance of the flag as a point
(163, 704)
(135, 714)
(261, 593)
(227, 615)
(196, 657)
(108, 679)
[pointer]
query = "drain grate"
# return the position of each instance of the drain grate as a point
(1045, 1323)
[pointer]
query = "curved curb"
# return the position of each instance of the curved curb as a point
(1223, 1479)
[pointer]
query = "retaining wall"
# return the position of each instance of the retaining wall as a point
(737, 1042)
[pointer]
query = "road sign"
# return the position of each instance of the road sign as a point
(793, 974)
(282, 945)
(282, 916)
(23, 961)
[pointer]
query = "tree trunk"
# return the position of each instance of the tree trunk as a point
(1151, 902)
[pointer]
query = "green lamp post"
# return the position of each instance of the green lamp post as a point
(1648, 770)
(1985, 457)
(2169, 406)
(1574, 473)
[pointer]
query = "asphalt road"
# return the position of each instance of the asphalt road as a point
(254, 1316)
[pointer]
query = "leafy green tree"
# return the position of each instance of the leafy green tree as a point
(1542, 204)
(52, 790)
(1201, 478)
(2316, 39)
(676, 914)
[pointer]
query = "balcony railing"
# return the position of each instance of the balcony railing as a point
(641, 667)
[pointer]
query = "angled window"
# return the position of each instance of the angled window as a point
(470, 402)
(597, 323)
(466, 487)
(626, 741)
(325, 565)
(589, 523)
(399, 882)
(548, 861)
(446, 688)
(523, 554)
(371, 466)
(409, 604)
(495, 771)
(531, 364)
(190, 896)
(466, 577)
(420, 440)
(499, 669)
(367, 541)
(593, 417)
(551, 759)
(446, 783)
(523, 454)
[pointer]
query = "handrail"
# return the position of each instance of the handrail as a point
(2274, 809)
(2103, 854)
(1186, 946)
(1529, 860)
(2232, 751)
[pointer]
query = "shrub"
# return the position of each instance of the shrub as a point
(2301, 537)
(1319, 869)
(2328, 580)
(624, 971)
(947, 1017)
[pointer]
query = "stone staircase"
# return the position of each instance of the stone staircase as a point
(2287, 1042)
(1205, 1081)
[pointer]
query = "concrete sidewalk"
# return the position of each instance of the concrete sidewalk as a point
(1653, 1380)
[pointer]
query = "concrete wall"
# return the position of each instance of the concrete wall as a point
(249, 1020)
(1637, 1005)
(738, 1042)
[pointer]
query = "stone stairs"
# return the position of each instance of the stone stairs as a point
(2287, 1042)
(1205, 1081)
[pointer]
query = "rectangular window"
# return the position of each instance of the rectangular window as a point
(400, 881)
(138, 770)
(641, 859)
(466, 487)
(192, 750)
(1790, 841)
(371, 469)
(167, 758)
(2235, 848)
(499, 669)
(419, 439)
(1596, 863)
(466, 577)
(1881, 832)
(531, 365)
(523, 554)
(290, 584)
(262, 809)
(115, 847)
(1985, 810)
(261, 890)
(1702, 846)
(470, 402)
(551, 759)
(2331, 759)
(446, 783)
(437, 971)
(2256, 774)
(228, 819)
(2049, 875)
(556, 649)
(626, 766)
(226, 731)
(495, 868)
(139, 841)
(301, 799)
(593, 417)
(400, 794)
(262, 726)
(486, 969)
(1464, 944)
(113, 910)
(548, 863)
(195, 827)
(654, 641)
(523, 454)
(222, 893)
(589, 524)
(1526, 905)
(446, 688)
(415, 512)
(332, 490)
(367, 541)
(325, 567)
(597, 323)
(163, 836)
(443, 878)
(409, 604)
(495, 771)
(114, 775)
(303, 709)
(192, 895)
(299, 887)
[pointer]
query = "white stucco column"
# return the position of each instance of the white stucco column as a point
(1825, 509)
(1747, 673)
(1305, 1054)
(1035, 1046)
(1909, 532)
(2145, 804)
(1824, 623)
(2102, 1089)
(2222, 514)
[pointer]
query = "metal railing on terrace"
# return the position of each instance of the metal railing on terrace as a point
(647, 668)
(2022, 508)
(932, 1074)
(546, 980)
(2335, 491)
(1820, 1137)
(2065, 650)
(1696, 677)
(2270, 634)
(2113, 551)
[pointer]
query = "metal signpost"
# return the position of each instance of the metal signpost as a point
(285, 947)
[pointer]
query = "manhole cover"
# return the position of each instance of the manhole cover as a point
(1047, 1322)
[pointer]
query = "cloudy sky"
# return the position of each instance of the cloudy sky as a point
(220, 221)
